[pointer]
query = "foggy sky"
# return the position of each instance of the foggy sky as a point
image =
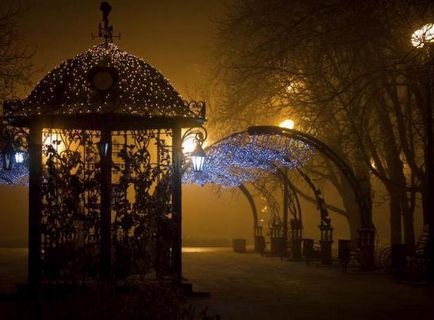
(175, 36)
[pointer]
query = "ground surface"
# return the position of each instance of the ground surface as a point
(248, 286)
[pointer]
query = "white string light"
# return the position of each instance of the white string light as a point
(242, 158)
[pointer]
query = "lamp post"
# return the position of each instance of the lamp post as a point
(421, 38)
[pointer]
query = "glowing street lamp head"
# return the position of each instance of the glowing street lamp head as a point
(198, 158)
(422, 36)
(288, 124)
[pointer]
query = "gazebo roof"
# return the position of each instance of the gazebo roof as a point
(104, 80)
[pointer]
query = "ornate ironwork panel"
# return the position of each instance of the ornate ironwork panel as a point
(70, 232)
(142, 227)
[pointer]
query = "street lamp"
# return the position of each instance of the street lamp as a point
(198, 158)
(420, 38)
(192, 141)
(423, 36)
(288, 124)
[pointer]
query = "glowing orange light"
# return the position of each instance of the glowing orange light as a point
(188, 146)
(423, 36)
(288, 124)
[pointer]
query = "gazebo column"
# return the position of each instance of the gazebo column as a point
(106, 202)
(35, 205)
(177, 204)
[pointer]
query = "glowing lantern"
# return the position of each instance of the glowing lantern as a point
(423, 36)
(198, 158)
(19, 157)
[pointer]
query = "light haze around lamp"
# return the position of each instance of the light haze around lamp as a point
(422, 36)
(288, 124)
(198, 158)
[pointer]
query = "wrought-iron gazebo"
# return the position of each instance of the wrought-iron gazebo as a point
(102, 132)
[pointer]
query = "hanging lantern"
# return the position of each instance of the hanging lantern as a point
(8, 157)
(7, 161)
(198, 158)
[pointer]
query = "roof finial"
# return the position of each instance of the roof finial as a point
(105, 30)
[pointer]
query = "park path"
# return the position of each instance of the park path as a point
(248, 286)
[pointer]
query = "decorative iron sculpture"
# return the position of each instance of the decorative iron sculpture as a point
(70, 204)
(142, 204)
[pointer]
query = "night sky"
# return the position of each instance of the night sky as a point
(173, 36)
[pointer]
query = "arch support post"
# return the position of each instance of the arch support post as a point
(367, 248)
(326, 244)
(296, 239)
(259, 239)
(276, 240)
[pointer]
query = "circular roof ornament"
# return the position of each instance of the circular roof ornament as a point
(102, 78)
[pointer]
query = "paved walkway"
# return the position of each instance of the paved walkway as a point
(248, 286)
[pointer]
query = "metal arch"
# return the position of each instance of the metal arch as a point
(320, 202)
(271, 201)
(367, 231)
(291, 194)
(363, 200)
(252, 204)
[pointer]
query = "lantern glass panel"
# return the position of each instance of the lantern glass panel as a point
(198, 162)
(19, 157)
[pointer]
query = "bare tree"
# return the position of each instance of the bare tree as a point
(346, 71)
(15, 59)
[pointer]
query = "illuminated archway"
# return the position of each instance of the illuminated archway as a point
(245, 156)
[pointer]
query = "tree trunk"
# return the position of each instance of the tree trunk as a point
(353, 215)
(395, 217)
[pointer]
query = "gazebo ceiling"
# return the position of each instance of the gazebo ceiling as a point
(104, 80)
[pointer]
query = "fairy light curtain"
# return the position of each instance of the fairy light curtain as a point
(242, 158)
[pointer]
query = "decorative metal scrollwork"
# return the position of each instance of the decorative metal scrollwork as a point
(142, 206)
(195, 134)
(70, 204)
